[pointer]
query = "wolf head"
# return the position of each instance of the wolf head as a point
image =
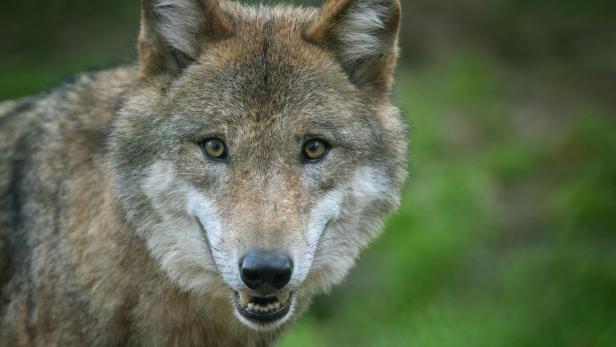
(259, 151)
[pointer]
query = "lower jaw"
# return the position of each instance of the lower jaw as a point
(256, 312)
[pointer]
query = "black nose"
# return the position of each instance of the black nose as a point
(266, 270)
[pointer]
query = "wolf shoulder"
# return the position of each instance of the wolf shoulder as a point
(45, 138)
(63, 113)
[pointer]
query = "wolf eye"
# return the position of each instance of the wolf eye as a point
(315, 150)
(215, 149)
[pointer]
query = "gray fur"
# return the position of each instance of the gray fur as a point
(116, 230)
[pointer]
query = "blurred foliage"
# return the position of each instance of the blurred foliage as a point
(507, 234)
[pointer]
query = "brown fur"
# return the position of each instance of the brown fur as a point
(75, 218)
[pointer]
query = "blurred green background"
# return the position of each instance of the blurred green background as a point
(507, 231)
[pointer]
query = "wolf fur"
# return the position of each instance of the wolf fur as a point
(116, 230)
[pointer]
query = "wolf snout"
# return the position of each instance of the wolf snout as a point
(266, 271)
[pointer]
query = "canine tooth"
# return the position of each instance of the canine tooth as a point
(282, 298)
(251, 306)
(244, 299)
(276, 305)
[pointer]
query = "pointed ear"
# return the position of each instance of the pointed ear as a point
(173, 32)
(364, 36)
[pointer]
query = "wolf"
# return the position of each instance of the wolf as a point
(204, 195)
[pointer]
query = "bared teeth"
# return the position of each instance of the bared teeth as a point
(254, 304)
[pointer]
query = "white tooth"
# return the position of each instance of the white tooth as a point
(282, 298)
(270, 307)
(251, 306)
(276, 305)
(244, 299)
(262, 309)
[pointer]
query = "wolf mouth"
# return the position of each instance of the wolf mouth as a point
(263, 309)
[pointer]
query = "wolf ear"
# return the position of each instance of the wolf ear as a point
(364, 36)
(173, 32)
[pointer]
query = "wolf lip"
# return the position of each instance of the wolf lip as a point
(263, 309)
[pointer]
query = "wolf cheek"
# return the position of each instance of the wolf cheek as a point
(366, 200)
(173, 234)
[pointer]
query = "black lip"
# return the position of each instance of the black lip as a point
(263, 317)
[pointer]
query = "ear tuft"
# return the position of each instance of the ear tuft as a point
(359, 32)
(178, 23)
(363, 34)
(172, 32)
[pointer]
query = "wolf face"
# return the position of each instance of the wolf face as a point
(259, 151)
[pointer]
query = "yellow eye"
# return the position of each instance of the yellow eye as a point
(215, 149)
(315, 149)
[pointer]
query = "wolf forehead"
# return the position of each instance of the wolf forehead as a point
(267, 69)
(262, 81)
(266, 72)
(265, 89)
